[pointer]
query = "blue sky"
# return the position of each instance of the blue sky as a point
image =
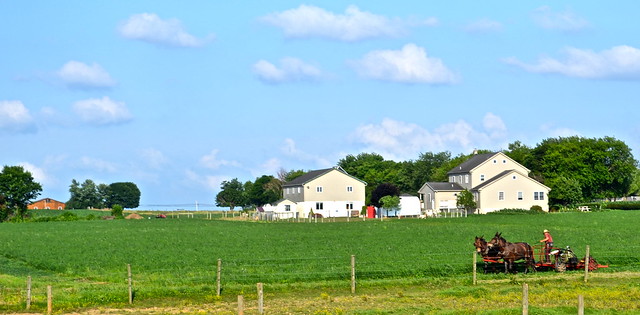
(177, 97)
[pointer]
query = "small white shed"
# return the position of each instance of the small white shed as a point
(409, 206)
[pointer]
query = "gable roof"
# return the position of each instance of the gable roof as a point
(444, 186)
(471, 163)
(311, 175)
(504, 174)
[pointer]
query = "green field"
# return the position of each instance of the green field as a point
(176, 259)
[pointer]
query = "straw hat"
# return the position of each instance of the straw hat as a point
(546, 231)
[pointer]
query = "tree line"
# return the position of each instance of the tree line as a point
(577, 169)
(89, 195)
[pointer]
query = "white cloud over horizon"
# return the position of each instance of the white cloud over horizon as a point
(39, 174)
(310, 21)
(102, 111)
(566, 21)
(289, 70)
(76, 74)
(15, 118)
(408, 65)
(149, 27)
(98, 165)
(619, 62)
(400, 140)
(153, 157)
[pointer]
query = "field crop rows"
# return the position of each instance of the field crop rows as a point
(86, 260)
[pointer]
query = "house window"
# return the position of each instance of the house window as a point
(504, 161)
(287, 191)
(538, 195)
(319, 206)
(460, 179)
(287, 207)
(513, 177)
(452, 179)
(466, 179)
(349, 188)
(298, 189)
(482, 177)
(495, 161)
(501, 195)
(349, 205)
(319, 189)
(520, 195)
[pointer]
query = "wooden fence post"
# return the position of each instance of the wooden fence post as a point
(240, 305)
(525, 299)
(586, 265)
(353, 274)
(260, 299)
(130, 283)
(28, 292)
(49, 300)
(580, 305)
(218, 276)
(475, 267)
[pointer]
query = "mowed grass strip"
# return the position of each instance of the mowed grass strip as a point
(87, 260)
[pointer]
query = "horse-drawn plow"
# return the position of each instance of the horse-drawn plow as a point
(499, 255)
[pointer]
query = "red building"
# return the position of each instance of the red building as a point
(47, 203)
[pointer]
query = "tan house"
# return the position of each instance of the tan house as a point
(496, 181)
(328, 192)
(46, 203)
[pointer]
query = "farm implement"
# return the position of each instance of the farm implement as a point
(496, 258)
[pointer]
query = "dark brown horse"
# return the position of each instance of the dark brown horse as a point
(511, 252)
(487, 253)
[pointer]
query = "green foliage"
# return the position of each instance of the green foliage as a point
(231, 194)
(87, 195)
(603, 168)
(266, 189)
(116, 211)
(465, 200)
(565, 191)
(536, 208)
(125, 194)
(17, 188)
(515, 212)
(623, 205)
(390, 203)
(384, 189)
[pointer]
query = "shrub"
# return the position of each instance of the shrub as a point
(536, 208)
(623, 205)
(116, 211)
(67, 216)
(516, 212)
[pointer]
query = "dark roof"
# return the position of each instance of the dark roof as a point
(495, 178)
(311, 175)
(444, 186)
(471, 163)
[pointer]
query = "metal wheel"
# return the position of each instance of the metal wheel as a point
(561, 266)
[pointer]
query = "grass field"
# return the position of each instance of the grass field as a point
(174, 260)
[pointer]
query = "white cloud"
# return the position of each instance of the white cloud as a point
(211, 161)
(409, 65)
(39, 175)
(76, 74)
(483, 26)
(402, 140)
(566, 21)
(311, 21)
(154, 158)
(149, 27)
(290, 70)
(619, 62)
(210, 182)
(97, 164)
(15, 118)
(102, 111)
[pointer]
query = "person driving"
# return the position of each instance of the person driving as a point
(548, 243)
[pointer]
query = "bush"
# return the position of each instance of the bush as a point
(516, 212)
(536, 208)
(67, 216)
(116, 211)
(623, 205)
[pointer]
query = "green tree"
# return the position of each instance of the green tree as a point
(466, 201)
(84, 196)
(382, 190)
(415, 173)
(634, 188)
(603, 167)
(117, 210)
(566, 191)
(286, 176)
(231, 195)
(125, 194)
(17, 188)
(373, 169)
(263, 191)
(390, 203)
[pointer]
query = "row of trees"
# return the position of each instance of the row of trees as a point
(90, 195)
(577, 169)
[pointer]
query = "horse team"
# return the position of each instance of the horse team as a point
(499, 248)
